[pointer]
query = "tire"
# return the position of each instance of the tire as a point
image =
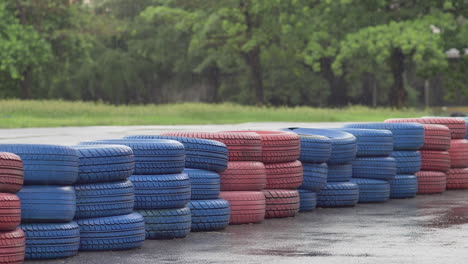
(457, 126)
(112, 233)
(13, 247)
(167, 223)
(46, 164)
(405, 136)
(457, 179)
(51, 241)
(340, 173)
(436, 137)
(431, 182)
(315, 176)
(308, 200)
(246, 207)
(372, 191)
(377, 168)
(286, 175)
(200, 154)
(158, 156)
(47, 203)
(432, 160)
(244, 176)
(11, 173)
(104, 199)
(315, 149)
(161, 191)
(407, 162)
(104, 163)
(338, 194)
(281, 203)
(209, 215)
(372, 142)
(206, 185)
(459, 153)
(403, 186)
(343, 144)
(241, 146)
(10, 212)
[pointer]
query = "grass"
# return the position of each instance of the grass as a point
(56, 113)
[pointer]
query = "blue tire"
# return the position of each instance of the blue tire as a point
(372, 191)
(404, 186)
(408, 162)
(167, 223)
(315, 149)
(340, 173)
(372, 142)
(206, 185)
(308, 200)
(338, 194)
(378, 168)
(315, 176)
(209, 215)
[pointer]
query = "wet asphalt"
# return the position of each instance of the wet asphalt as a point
(426, 229)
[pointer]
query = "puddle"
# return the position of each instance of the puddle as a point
(454, 216)
(291, 253)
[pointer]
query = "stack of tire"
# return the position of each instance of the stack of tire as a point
(339, 191)
(204, 160)
(162, 191)
(244, 179)
(12, 238)
(48, 201)
(105, 199)
(441, 169)
(373, 167)
(407, 140)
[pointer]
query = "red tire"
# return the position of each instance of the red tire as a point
(281, 203)
(11, 172)
(246, 207)
(431, 182)
(241, 146)
(436, 137)
(459, 153)
(457, 179)
(244, 176)
(288, 175)
(12, 247)
(457, 126)
(432, 160)
(10, 212)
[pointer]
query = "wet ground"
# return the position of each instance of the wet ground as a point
(427, 229)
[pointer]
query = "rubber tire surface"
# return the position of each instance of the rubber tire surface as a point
(10, 212)
(288, 175)
(340, 173)
(308, 200)
(51, 241)
(377, 168)
(11, 172)
(431, 182)
(244, 176)
(167, 223)
(338, 194)
(457, 126)
(405, 136)
(47, 203)
(241, 146)
(403, 186)
(436, 137)
(209, 215)
(46, 164)
(205, 184)
(372, 142)
(104, 163)
(157, 156)
(161, 191)
(457, 179)
(407, 162)
(112, 233)
(200, 154)
(104, 199)
(459, 153)
(246, 207)
(13, 247)
(315, 149)
(372, 191)
(343, 147)
(315, 176)
(281, 203)
(433, 160)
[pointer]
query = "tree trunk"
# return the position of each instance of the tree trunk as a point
(26, 84)
(398, 94)
(252, 59)
(215, 82)
(338, 94)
